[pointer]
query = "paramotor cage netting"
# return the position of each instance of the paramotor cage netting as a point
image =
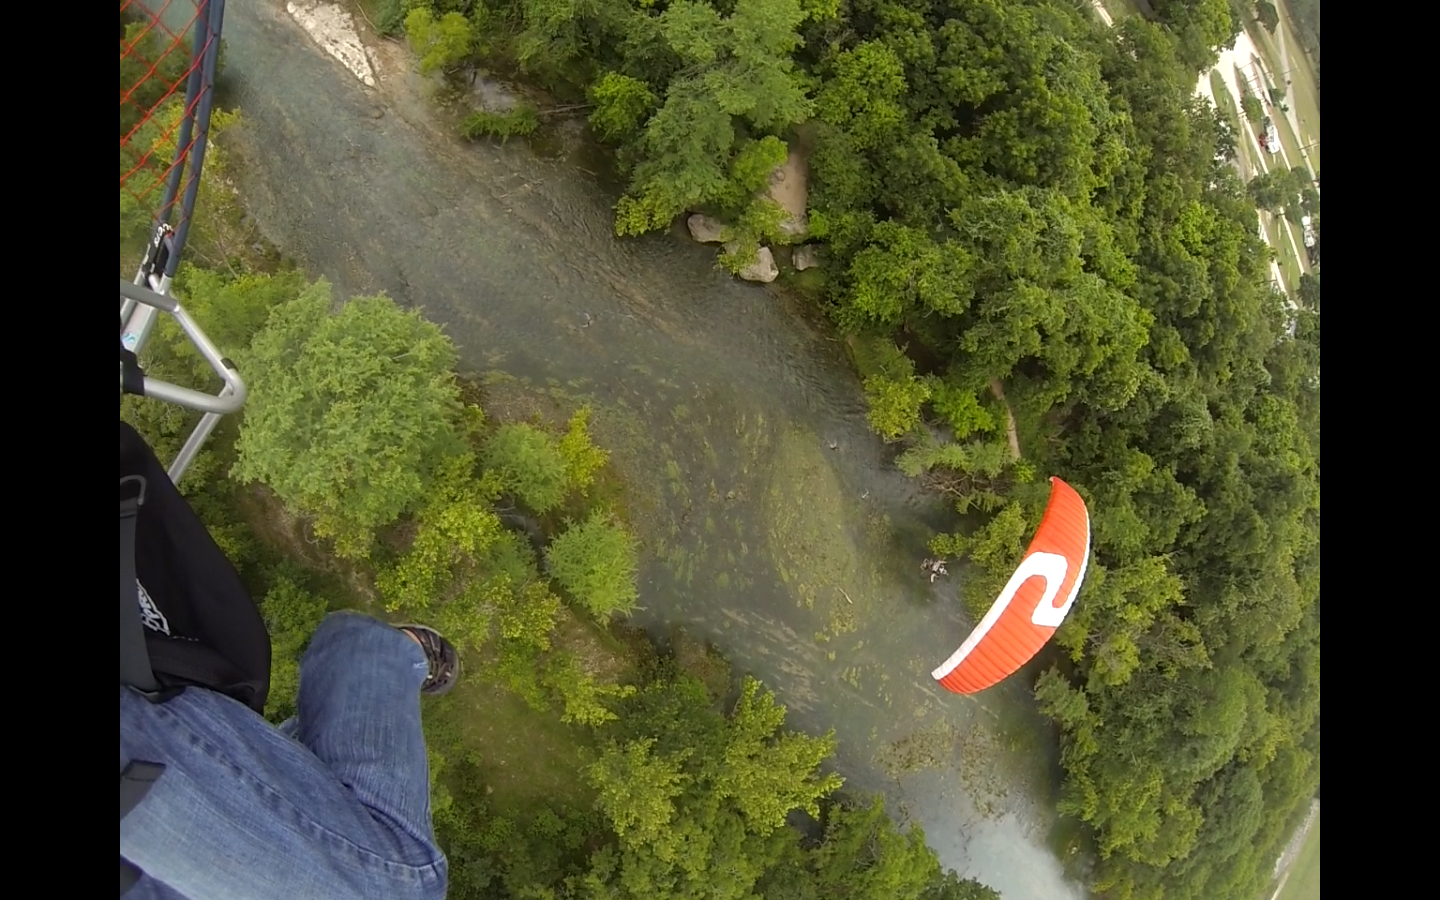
(169, 53)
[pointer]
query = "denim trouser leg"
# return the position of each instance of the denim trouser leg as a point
(244, 812)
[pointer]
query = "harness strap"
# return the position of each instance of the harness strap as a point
(134, 658)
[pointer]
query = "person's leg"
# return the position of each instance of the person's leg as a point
(242, 812)
(359, 712)
(340, 809)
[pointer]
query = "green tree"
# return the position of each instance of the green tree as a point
(1253, 109)
(230, 308)
(995, 548)
(442, 44)
(458, 568)
(522, 119)
(976, 475)
(582, 458)
(952, 887)
(595, 561)
(621, 104)
(1267, 15)
(961, 409)
(766, 773)
(527, 463)
(291, 616)
(350, 413)
(894, 404)
(637, 792)
(1200, 26)
(585, 700)
(863, 856)
(736, 68)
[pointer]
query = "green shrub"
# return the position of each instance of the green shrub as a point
(595, 561)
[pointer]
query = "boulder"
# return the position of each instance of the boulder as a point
(762, 269)
(791, 226)
(805, 258)
(704, 229)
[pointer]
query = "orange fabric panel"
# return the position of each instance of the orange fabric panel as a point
(1015, 629)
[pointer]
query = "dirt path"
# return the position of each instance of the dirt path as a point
(789, 185)
(1010, 433)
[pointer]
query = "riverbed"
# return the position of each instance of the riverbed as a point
(774, 522)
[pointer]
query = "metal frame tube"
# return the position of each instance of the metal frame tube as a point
(213, 19)
(230, 398)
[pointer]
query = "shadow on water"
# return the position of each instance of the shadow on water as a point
(774, 522)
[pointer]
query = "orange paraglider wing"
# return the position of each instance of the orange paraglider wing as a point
(1034, 602)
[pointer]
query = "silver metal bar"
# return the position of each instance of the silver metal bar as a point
(197, 438)
(140, 317)
(230, 399)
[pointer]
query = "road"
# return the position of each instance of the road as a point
(1292, 113)
(1244, 55)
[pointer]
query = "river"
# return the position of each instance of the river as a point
(774, 522)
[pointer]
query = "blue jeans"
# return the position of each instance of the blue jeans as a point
(338, 811)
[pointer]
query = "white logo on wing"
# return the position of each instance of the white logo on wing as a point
(1050, 566)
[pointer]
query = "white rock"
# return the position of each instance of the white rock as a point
(804, 258)
(333, 29)
(792, 226)
(762, 269)
(704, 229)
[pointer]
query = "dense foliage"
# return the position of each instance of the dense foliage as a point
(692, 803)
(351, 413)
(1018, 197)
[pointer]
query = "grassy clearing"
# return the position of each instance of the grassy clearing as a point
(1224, 102)
(1225, 105)
(527, 760)
(1290, 265)
(1303, 882)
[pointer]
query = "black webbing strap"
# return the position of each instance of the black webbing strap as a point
(136, 779)
(132, 377)
(134, 658)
